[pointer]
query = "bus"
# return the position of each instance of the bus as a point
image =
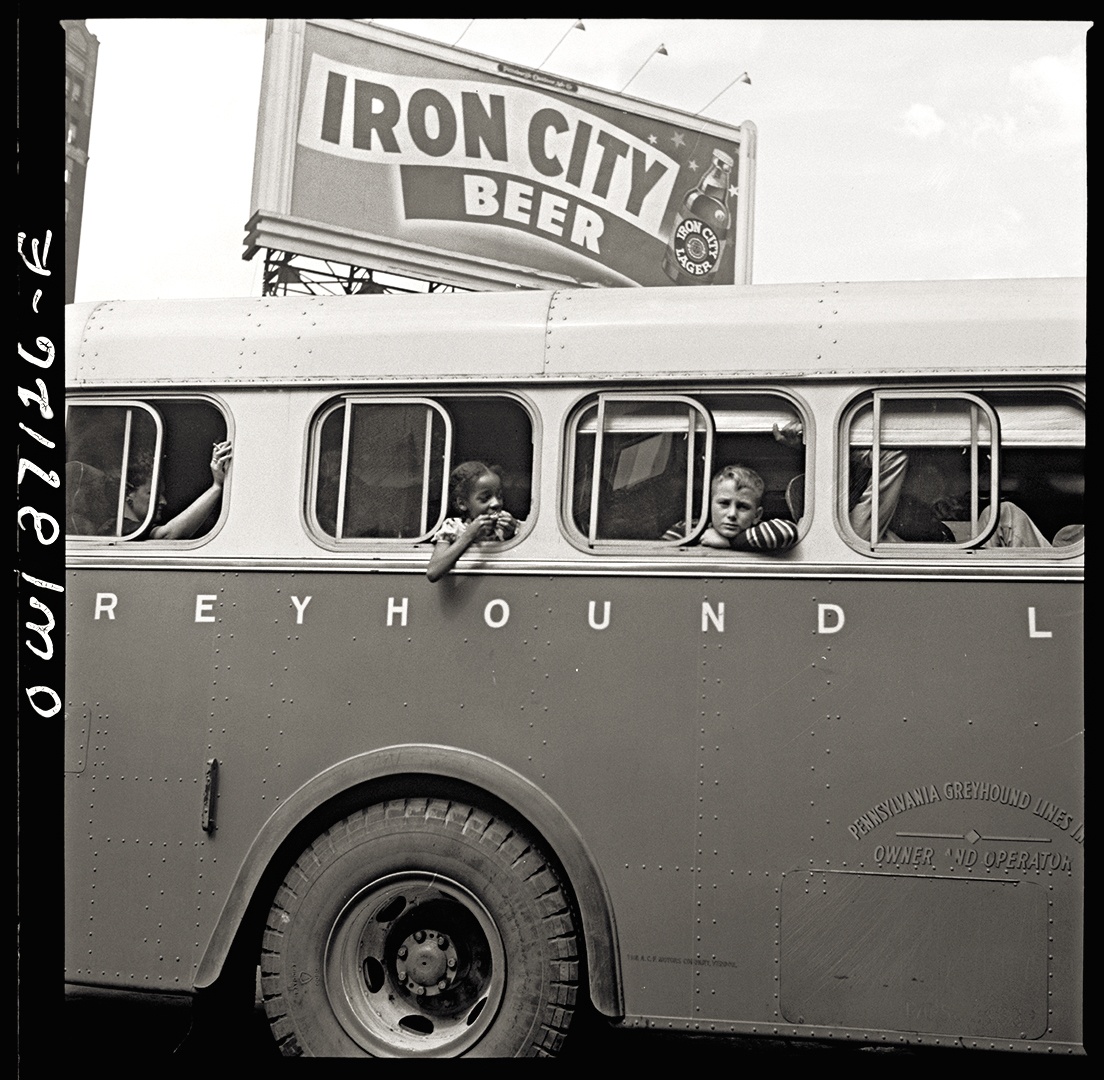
(832, 790)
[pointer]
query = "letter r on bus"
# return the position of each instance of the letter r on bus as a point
(822, 622)
(105, 604)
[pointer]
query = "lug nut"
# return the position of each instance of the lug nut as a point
(442, 941)
(419, 936)
(402, 952)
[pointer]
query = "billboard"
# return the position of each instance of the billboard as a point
(380, 149)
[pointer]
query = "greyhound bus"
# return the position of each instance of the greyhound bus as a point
(829, 791)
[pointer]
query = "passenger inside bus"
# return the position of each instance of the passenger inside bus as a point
(188, 522)
(925, 512)
(475, 494)
(736, 515)
(933, 507)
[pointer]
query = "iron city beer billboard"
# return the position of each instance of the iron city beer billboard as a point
(380, 149)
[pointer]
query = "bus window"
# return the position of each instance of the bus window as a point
(930, 467)
(382, 464)
(656, 456)
(117, 448)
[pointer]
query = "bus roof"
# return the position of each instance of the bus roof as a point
(828, 330)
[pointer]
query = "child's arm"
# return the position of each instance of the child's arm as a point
(185, 524)
(774, 534)
(445, 556)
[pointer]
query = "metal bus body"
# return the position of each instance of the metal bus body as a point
(830, 792)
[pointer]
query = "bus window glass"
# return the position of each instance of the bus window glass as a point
(108, 449)
(328, 470)
(652, 459)
(394, 463)
(927, 468)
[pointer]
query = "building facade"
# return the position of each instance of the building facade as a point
(81, 49)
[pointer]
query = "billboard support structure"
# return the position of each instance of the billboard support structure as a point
(289, 273)
(380, 149)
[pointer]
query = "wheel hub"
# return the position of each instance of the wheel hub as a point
(426, 962)
(415, 965)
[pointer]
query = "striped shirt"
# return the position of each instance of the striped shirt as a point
(777, 534)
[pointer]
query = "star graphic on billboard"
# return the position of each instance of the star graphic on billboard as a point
(678, 139)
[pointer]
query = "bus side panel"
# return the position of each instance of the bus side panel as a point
(140, 675)
(759, 766)
(869, 734)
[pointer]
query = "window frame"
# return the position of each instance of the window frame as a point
(346, 403)
(155, 475)
(597, 403)
(877, 398)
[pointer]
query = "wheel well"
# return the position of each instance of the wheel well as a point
(600, 984)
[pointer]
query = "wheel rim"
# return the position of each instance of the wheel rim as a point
(415, 965)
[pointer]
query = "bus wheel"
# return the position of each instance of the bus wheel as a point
(420, 927)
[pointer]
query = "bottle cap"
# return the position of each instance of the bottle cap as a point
(724, 159)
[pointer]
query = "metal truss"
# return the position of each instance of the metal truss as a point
(287, 273)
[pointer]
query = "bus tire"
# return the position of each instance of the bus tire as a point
(420, 927)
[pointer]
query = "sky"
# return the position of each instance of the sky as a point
(887, 150)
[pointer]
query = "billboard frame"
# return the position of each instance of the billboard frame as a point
(273, 225)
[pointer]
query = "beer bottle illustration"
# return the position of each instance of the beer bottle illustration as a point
(701, 226)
